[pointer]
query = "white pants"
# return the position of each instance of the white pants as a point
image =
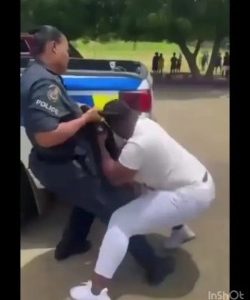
(148, 214)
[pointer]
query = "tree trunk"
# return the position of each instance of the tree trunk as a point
(197, 48)
(216, 48)
(191, 58)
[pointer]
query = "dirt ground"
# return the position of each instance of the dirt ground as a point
(199, 119)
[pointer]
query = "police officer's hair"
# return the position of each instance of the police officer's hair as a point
(43, 35)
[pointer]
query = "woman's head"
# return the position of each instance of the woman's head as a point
(51, 46)
(120, 118)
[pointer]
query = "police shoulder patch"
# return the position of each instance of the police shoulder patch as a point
(53, 93)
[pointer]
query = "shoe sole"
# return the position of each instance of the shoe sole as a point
(189, 239)
(183, 242)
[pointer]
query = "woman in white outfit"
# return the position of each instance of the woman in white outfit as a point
(179, 188)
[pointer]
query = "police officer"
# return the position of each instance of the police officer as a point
(55, 125)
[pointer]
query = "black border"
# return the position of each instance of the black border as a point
(10, 148)
(239, 149)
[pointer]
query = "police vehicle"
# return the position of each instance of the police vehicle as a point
(93, 83)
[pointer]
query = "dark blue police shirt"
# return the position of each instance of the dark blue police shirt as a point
(45, 104)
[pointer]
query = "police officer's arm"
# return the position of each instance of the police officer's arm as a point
(124, 170)
(62, 133)
(46, 111)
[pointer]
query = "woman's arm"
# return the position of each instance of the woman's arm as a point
(66, 130)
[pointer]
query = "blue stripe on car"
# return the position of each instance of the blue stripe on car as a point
(101, 83)
(84, 99)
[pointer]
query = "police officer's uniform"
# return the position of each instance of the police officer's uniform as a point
(63, 169)
(45, 104)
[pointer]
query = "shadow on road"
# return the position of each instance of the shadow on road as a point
(177, 285)
(45, 279)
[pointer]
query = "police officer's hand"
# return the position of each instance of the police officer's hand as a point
(92, 115)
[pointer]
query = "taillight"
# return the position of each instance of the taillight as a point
(140, 100)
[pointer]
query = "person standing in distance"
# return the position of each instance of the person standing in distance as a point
(161, 64)
(173, 64)
(155, 62)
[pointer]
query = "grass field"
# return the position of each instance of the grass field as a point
(143, 52)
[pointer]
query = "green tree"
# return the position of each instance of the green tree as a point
(184, 21)
(218, 18)
(76, 18)
(133, 23)
(178, 21)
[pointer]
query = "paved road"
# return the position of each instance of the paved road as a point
(200, 120)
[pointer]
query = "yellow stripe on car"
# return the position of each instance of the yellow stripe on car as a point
(100, 100)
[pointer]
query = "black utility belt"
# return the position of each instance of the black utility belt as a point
(59, 159)
(81, 159)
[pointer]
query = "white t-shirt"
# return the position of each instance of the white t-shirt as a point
(162, 163)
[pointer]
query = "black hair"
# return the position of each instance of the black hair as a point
(116, 110)
(43, 35)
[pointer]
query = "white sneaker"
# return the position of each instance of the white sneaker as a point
(179, 237)
(83, 292)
